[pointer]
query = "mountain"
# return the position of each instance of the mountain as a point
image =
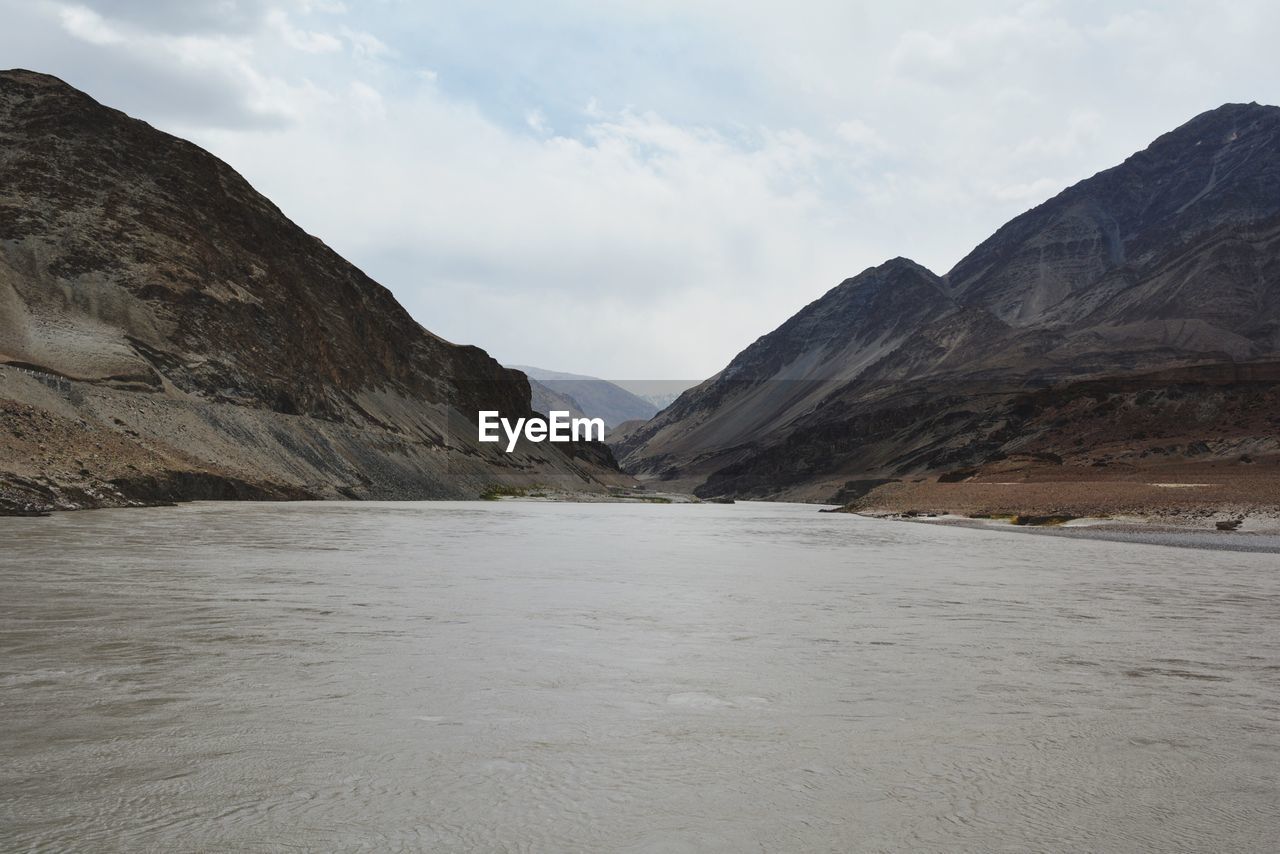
(167, 333)
(1167, 261)
(660, 393)
(596, 397)
(545, 400)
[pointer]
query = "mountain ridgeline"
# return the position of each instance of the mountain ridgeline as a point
(1134, 282)
(591, 396)
(167, 333)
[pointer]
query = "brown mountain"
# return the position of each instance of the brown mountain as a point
(166, 332)
(1169, 260)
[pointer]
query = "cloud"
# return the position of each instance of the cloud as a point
(186, 17)
(366, 46)
(861, 135)
(201, 77)
(548, 247)
(308, 41)
(639, 189)
(88, 25)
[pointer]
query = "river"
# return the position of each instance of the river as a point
(549, 677)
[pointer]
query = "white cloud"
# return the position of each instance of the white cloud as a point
(861, 135)
(366, 45)
(642, 188)
(537, 121)
(88, 25)
(551, 248)
(307, 41)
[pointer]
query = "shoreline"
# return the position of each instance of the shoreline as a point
(1259, 532)
(1200, 504)
(17, 510)
(1262, 537)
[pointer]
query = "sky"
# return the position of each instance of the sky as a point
(638, 189)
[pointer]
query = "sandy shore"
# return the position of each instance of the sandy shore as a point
(1216, 503)
(1182, 495)
(1262, 537)
(1256, 534)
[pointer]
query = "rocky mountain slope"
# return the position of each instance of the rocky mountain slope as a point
(1169, 260)
(167, 333)
(596, 397)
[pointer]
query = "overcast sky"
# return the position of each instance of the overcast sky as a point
(638, 190)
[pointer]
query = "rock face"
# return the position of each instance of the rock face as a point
(164, 328)
(1170, 259)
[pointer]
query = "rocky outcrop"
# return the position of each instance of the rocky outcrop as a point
(155, 302)
(1169, 260)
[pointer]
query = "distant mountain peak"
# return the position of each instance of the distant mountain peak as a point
(1232, 112)
(1221, 126)
(903, 264)
(592, 396)
(29, 77)
(1219, 169)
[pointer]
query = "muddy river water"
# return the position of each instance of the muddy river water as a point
(539, 677)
